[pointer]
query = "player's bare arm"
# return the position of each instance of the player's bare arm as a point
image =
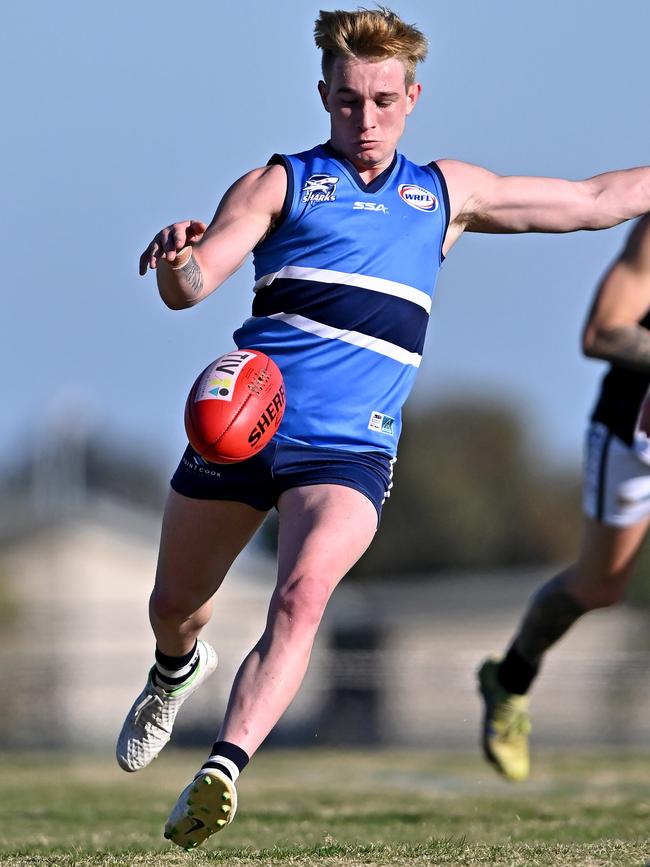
(612, 331)
(482, 201)
(191, 261)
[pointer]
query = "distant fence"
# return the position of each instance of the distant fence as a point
(400, 672)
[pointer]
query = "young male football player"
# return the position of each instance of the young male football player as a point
(347, 239)
(616, 504)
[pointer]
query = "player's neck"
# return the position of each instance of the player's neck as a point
(366, 172)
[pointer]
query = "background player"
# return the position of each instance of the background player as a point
(616, 503)
(342, 298)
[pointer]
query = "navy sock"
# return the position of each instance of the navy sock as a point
(227, 758)
(516, 674)
(170, 672)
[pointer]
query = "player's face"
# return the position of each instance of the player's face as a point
(368, 104)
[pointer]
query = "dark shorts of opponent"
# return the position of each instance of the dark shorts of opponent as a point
(259, 481)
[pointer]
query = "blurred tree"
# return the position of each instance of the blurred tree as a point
(639, 590)
(10, 609)
(65, 470)
(126, 471)
(469, 492)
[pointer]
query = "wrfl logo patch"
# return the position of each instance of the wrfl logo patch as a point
(417, 197)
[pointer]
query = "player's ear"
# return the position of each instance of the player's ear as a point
(322, 89)
(413, 92)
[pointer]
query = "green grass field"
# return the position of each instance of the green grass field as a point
(334, 808)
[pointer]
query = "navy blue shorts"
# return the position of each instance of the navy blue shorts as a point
(259, 481)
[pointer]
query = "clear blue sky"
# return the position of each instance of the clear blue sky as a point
(119, 117)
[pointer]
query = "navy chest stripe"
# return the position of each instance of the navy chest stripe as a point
(363, 281)
(346, 307)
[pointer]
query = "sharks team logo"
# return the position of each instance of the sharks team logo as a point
(320, 188)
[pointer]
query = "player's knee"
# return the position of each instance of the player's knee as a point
(598, 586)
(603, 593)
(302, 600)
(170, 607)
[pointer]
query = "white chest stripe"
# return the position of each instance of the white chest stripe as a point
(361, 281)
(383, 347)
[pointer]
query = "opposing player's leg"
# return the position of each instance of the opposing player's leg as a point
(199, 542)
(598, 579)
(324, 529)
(616, 502)
(607, 558)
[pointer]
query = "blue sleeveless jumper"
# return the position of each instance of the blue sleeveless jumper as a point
(343, 292)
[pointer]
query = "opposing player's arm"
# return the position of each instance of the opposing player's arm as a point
(191, 261)
(612, 331)
(482, 201)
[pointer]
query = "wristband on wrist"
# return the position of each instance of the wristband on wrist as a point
(176, 265)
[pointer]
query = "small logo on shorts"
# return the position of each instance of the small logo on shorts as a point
(201, 466)
(382, 423)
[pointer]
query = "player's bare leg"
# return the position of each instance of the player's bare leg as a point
(604, 568)
(199, 543)
(200, 540)
(324, 529)
(598, 579)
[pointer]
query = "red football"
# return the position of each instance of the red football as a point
(235, 406)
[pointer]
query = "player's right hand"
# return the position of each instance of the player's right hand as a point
(170, 241)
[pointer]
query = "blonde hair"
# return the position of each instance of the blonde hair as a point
(374, 34)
